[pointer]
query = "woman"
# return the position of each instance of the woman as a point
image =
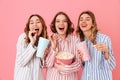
(62, 40)
(102, 61)
(28, 66)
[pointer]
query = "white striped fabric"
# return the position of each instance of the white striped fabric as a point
(70, 71)
(98, 68)
(27, 66)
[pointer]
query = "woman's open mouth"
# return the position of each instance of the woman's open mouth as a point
(61, 28)
(36, 29)
(84, 25)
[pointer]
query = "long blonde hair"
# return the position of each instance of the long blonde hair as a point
(94, 29)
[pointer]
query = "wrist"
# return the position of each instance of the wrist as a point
(106, 54)
(32, 43)
(55, 50)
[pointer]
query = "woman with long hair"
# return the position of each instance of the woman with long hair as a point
(28, 66)
(62, 40)
(102, 61)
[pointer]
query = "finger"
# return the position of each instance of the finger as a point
(78, 51)
(50, 37)
(97, 46)
(35, 36)
(30, 34)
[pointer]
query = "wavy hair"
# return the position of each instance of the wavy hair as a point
(27, 29)
(94, 29)
(70, 24)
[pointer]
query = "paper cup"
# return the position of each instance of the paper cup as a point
(82, 46)
(42, 45)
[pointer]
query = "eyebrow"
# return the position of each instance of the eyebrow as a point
(36, 20)
(85, 17)
(88, 17)
(60, 19)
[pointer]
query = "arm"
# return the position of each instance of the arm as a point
(50, 57)
(24, 53)
(52, 50)
(74, 67)
(110, 63)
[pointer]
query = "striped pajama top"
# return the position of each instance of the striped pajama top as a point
(27, 66)
(70, 71)
(98, 68)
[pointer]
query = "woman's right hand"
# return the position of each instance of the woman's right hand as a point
(53, 40)
(80, 55)
(59, 66)
(32, 36)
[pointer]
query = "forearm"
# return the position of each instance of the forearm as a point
(24, 57)
(74, 67)
(50, 58)
(106, 54)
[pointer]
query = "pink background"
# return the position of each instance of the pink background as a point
(14, 15)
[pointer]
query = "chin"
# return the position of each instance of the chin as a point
(62, 33)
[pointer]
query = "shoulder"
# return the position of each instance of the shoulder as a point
(74, 38)
(21, 37)
(102, 36)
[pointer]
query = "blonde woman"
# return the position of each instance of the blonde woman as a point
(102, 61)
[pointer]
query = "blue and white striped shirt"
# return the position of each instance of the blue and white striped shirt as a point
(98, 68)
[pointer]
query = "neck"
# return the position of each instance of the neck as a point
(63, 36)
(87, 34)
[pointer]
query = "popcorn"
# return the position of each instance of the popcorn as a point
(64, 55)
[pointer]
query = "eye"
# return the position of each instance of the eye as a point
(81, 19)
(57, 21)
(88, 19)
(65, 21)
(38, 21)
(31, 23)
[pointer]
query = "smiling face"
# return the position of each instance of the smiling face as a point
(85, 22)
(35, 25)
(61, 24)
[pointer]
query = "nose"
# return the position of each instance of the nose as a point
(35, 24)
(83, 20)
(61, 22)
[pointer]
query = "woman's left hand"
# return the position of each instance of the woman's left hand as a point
(103, 48)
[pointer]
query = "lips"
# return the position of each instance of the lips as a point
(84, 25)
(36, 29)
(61, 28)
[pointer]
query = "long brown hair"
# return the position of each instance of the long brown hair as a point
(93, 29)
(70, 24)
(27, 29)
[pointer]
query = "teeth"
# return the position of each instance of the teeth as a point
(83, 26)
(36, 29)
(61, 28)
